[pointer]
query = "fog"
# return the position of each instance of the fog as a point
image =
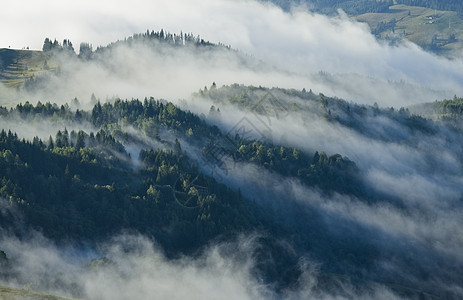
(416, 177)
(424, 237)
(295, 46)
(418, 211)
(388, 153)
(134, 267)
(414, 220)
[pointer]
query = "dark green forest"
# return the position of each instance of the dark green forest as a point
(85, 185)
(94, 168)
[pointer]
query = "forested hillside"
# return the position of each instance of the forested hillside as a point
(86, 186)
(449, 111)
(213, 188)
(97, 162)
(92, 184)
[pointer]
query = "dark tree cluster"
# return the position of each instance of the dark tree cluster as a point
(49, 46)
(180, 39)
(153, 38)
(150, 116)
(384, 26)
(48, 109)
(75, 193)
(452, 107)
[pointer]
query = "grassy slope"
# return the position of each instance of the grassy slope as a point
(7, 293)
(18, 65)
(418, 28)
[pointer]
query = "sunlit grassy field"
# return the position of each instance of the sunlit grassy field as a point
(16, 66)
(420, 25)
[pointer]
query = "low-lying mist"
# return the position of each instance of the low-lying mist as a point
(408, 216)
(296, 49)
(132, 266)
(414, 175)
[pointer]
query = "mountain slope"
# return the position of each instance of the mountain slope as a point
(434, 30)
(88, 185)
(292, 192)
(436, 26)
(8, 293)
(17, 66)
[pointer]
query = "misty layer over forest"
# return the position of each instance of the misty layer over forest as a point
(164, 165)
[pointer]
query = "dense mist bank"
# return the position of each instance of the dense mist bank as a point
(298, 43)
(173, 65)
(412, 164)
(130, 266)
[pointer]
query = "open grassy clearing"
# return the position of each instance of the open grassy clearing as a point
(439, 31)
(16, 66)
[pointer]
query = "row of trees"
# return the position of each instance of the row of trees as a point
(81, 139)
(452, 107)
(28, 110)
(266, 103)
(180, 39)
(85, 49)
